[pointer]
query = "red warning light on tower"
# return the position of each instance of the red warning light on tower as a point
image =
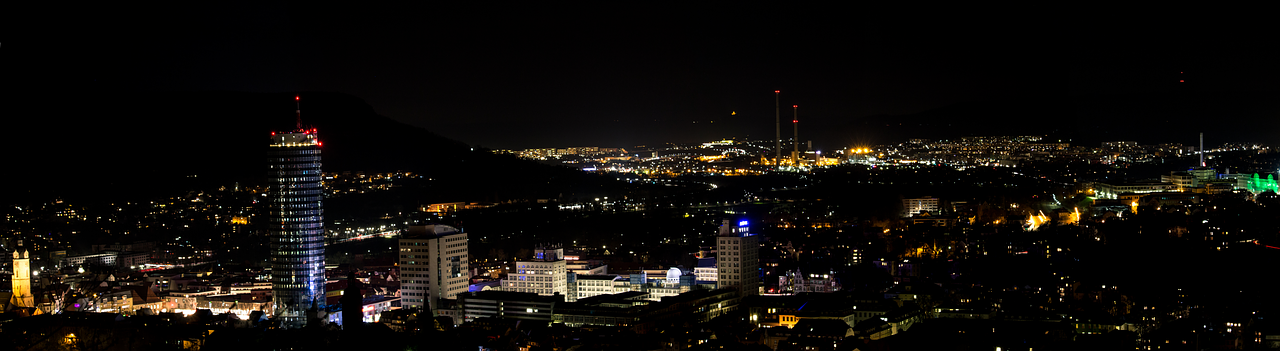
(795, 106)
(296, 98)
(777, 91)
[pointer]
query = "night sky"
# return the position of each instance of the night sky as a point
(574, 76)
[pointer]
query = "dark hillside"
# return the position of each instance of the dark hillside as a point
(138, 145)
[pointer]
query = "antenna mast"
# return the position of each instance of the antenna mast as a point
(297, 99)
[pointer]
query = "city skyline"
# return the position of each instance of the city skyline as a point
(576, 178)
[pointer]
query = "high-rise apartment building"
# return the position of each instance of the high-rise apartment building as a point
(433, 265)
(297, 233)
(738, 258)
(545, 274)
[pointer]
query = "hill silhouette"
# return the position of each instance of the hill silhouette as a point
(137, 145)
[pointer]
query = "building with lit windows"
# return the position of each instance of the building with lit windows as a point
(1113, 191)
(297, 233)
(544, 275)
(706, 271)
(913, 207)
(738, 258)
(527, 307)
(433, 265)
(588, 285)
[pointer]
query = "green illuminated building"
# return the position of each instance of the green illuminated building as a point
(1258, 185)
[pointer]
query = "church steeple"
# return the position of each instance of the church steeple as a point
(22, 278)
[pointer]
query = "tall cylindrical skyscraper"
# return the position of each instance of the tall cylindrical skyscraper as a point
(297, 236)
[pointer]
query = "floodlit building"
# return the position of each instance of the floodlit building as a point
(433, 265)
(21, 279)
(1182, 181)
(706, 271)
(574, 265)
(672, 282)
(913, 207)
(1113, 191)
(738, 258)
(543, 275)
(588, 285)
(297, 233)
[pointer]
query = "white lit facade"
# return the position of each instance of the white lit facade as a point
(433, 265)
(543, 275)
(913, 207)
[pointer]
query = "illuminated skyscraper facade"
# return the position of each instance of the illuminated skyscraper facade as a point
(297, 236)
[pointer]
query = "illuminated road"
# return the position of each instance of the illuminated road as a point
(386, 234)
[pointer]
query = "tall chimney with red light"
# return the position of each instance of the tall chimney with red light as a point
(795, 138)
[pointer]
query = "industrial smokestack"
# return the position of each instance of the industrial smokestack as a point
(795, 139)
(1201, 149)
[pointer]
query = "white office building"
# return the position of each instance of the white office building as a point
(542, 275)
(433, 265)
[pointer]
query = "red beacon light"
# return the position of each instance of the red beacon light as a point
(777, 91)
(273, 133)
(296, 98)
(795, 106)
